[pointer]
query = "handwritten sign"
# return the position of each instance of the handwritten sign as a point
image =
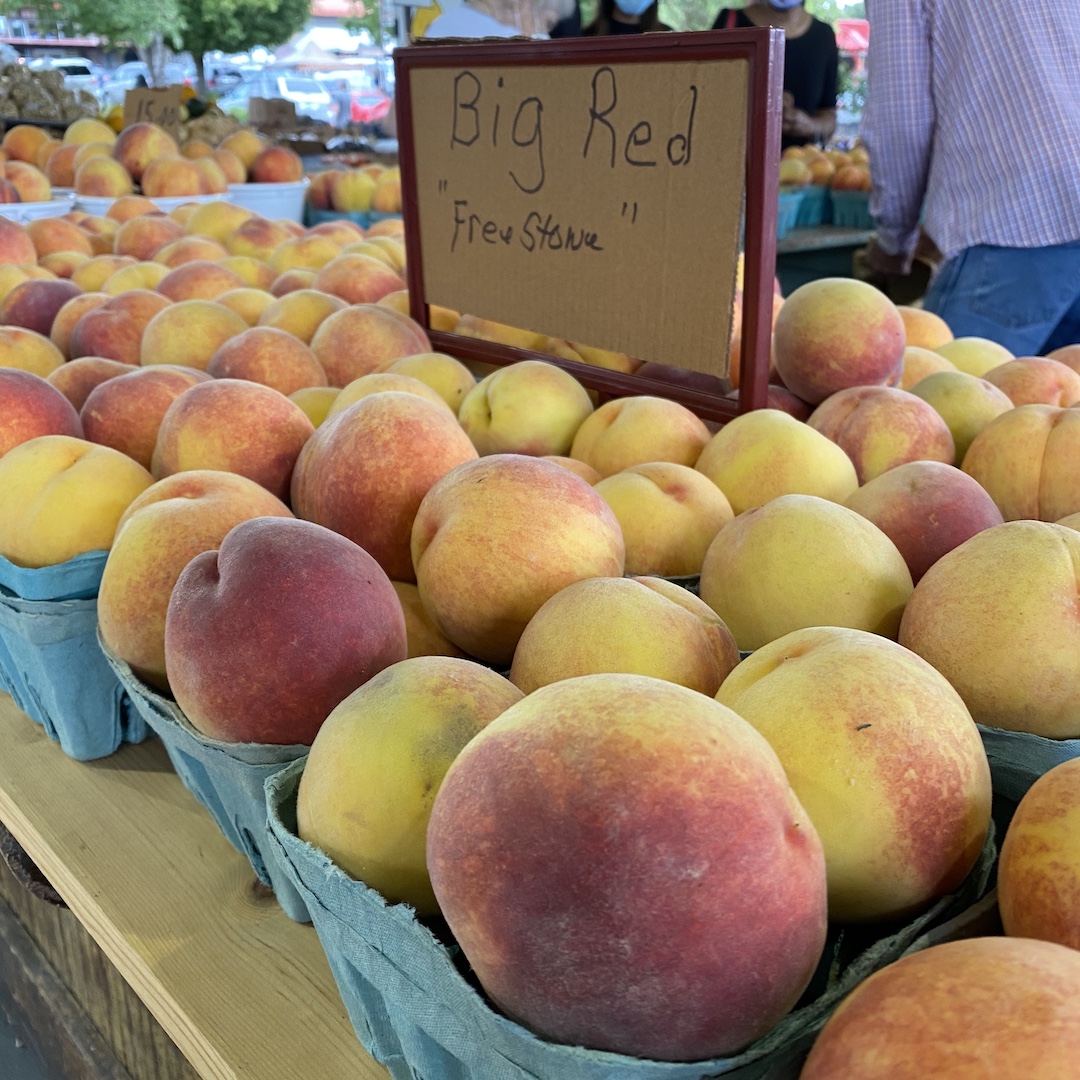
(596, 202)
(272, 114)
(158, 105)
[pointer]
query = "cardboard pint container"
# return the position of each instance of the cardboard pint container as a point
(415, 1010)
(1017, 758)
(227, 778)
(50, 662)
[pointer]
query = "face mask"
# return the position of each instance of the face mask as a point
(783, 5)
(637, 7)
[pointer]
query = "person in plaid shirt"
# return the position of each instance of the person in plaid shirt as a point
(973, 121)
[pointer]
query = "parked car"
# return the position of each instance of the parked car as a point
(126, 77)
(361, 100)
(222, 76)
(309, 97)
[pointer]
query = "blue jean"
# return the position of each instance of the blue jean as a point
(1027, 299)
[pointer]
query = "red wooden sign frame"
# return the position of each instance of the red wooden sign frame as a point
(763, 50)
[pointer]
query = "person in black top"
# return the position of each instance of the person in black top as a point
(570, 26)
(810, 65)
(625, 17)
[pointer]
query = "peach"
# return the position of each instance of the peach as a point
(390, 247)
(61, 496)
(1067, 354)
(87, 129)
(77, 378)
(60, 168)
(126, 413)
(495, 538)
(382, 383)
(578, 468)
(93, 273)
(996, 616)
(48, 148)
(217, 221)
(30, 408)
(423, 636)
(306, 253)
(1039, 871)
(190, 249)
(441, 318)
(189, 333)
(29, 351)
(357, 279)
(926, 509)
(182, 214)
(801, 561)
(56, 234)
(143, 236)
(342, 231)
(245, 144)
(448, 377)
(986, 1006)
(199, 280)
(836, 333)
(9, 193)
(605, 358)
(919, 363)
(633, 625)
(1036, 380)
(143, 276)
(249, 304)
(387, 196)
(10, 276)
(761, 455)
(301, 312)
(160, 533)
(486, 330)
(196, 148)
(211, 175)
(235, 426)
(255, 274)
(378, 760)
(171, 177)
(29, 181)
(966, 404)
(669, 515)
(255, 237)
(318, 192)
(292, 281)
(880, 427)
(234, 169)
(368, 468)
(840, 708)
(90, 150)
(923, 329)
(316, 401)
(35, 304)
(140, 145)
(530, 407)
(66, 318)
(244, 620)
(129, 206)
(15, 243)
(387, 227)
(1027, 460)
(102, 177)
(270, 357)
(636, 430)
(63, 263)
(22, 142)
(974, 355)
(362, 338)
(371, 250)
(349, 190)
(101, 232)
(115, 329)
(650, 759)
(276, 165)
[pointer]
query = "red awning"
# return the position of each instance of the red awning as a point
(852, 35)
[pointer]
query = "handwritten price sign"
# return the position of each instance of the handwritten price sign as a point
(159, 106)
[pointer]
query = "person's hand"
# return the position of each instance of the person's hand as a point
(883, 263)
(799, 124)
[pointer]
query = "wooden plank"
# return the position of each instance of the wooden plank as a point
(111, 1008)
(73, 1048)
(244, 992)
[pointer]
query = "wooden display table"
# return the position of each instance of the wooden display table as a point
(245, 993)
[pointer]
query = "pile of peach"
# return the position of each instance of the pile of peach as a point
(632, 807)
(841, 170)
(370, 187)
(95, 161)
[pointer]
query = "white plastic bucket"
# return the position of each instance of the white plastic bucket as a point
(31, 211)
(273, 201)
(98, 205)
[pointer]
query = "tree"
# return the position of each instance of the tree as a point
(365, 18)
(831, 10)
(152, 29)
(237, 25)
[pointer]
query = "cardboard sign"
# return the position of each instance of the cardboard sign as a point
(596, 202)
(159, 105)
(272, 114)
